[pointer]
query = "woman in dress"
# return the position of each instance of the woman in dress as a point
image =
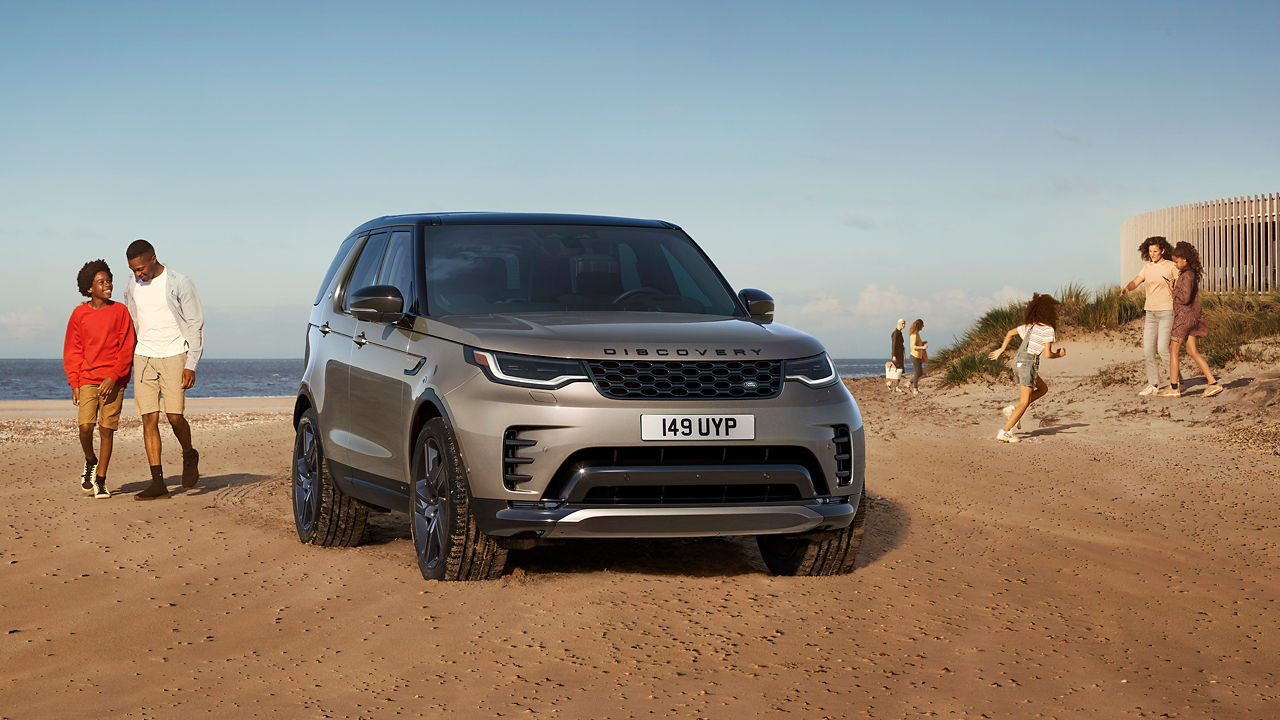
(1188, 321)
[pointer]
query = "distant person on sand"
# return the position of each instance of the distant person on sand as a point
(1188, 321)
(898, 357)
(919, 354)
(96, 355)
(1038, 333)
(170, 325)
(1158, 274)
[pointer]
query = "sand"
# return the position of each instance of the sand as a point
(1121, 562)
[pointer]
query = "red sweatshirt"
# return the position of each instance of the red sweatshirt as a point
(99, 345)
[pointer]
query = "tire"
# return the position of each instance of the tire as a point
(446, 539)
(323, 514)
(829, 553)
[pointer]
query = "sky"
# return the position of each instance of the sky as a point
(859, 161)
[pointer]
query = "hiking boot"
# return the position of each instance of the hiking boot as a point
(100, 488)
(86, 480)
(1008, 413)
(155, 490)
(1170, 391)
(1007, 436)
(1149, 390)
(190, 468)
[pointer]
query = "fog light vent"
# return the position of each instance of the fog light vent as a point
(512, 444)
(844, 454)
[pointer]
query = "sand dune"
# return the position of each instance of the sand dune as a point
(1121, 562)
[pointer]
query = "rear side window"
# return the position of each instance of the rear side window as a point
(367, 266)
(343, 250)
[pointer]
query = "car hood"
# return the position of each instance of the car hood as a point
(634, 335)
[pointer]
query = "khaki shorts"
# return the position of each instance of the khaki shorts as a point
(102, 409)
(157, 377)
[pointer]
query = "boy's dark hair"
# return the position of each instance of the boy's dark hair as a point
(1165, 249)
(1042, 309)
(84, 279)
(1188, 252)
(138, 248)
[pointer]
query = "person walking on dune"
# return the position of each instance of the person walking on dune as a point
(919, 354)
(1158, 275)
(96, 355)
(1038, 333)
(1188, 320)
(170, 326)
(894, 375)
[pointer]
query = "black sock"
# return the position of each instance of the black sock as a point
(157, 473)
(1174, 385)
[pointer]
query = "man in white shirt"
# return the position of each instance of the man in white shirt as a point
(170, 330)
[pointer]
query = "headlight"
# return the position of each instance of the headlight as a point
(526, 370)
(816, 371)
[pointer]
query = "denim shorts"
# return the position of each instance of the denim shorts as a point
(1025, 368)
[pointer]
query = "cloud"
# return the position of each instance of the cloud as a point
(26, 323)
(1065, 134)
(861, 222)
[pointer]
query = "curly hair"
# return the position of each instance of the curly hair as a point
(916, 326)
(1187, 251)
(1042, 309)
(84, 279)
(1165, 249)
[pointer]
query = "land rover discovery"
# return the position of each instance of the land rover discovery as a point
(507, 379)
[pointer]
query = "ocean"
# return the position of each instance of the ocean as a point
(44, 380)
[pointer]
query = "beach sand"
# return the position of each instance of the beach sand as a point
(1121, 562)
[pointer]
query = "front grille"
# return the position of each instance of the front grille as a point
(685, 455)
(691, 380)
(690, 494)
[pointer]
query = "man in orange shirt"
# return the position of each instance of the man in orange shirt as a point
(97, 356)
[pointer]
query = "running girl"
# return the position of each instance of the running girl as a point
(1037, 333)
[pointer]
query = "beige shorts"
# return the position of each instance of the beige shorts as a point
(99, 408)
(154, 378)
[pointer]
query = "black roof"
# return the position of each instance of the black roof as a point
(504, 218)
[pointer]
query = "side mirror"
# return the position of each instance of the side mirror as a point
(377, 303)
(759, 304)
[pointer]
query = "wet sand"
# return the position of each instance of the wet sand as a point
(1121, 562)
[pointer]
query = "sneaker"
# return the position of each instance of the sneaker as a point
(190, 468)
(100, 488)
(1212, 389)
(155, 490)
(1170, 391)
(1149, 390)
(86, 480)
(1008, 413)
(1007, 436)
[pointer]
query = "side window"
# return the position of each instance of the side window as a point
(366, 268)
(343, 251)
(397, 269)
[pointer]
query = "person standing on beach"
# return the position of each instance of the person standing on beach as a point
(96, 355)
(1188, 320)
(899, 355)
(1038, 333)
(1158, 274)
(170, 326)
(919, 354)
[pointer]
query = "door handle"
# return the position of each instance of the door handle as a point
(360, 340)
(325, 329)
(414, 370)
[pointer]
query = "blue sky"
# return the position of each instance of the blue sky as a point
(859, 161)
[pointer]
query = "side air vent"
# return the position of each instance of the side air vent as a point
(844, 454)
(512, 444)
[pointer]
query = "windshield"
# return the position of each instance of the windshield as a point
(504, 269)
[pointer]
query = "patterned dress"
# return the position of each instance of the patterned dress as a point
(1187, 319)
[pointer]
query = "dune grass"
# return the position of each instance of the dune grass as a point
(1234, 319)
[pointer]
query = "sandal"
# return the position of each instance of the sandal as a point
(1212, 389)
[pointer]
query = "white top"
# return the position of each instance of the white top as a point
(158, 333)
(1041, 336)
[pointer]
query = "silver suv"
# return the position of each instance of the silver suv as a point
(513, 378)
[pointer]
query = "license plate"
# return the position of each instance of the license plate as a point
(697, 427)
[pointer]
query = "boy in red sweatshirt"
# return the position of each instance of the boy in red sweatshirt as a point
(98, 357)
